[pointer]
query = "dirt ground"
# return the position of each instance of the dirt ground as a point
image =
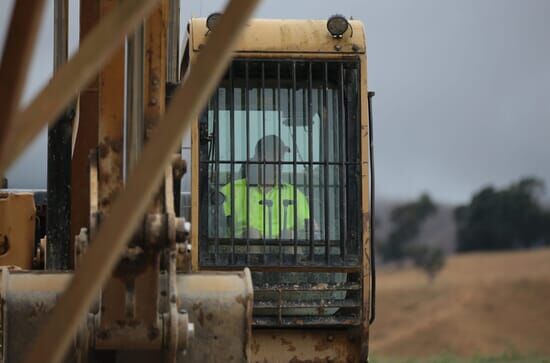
(480, 304)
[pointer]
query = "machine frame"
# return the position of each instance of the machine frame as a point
(302, 40)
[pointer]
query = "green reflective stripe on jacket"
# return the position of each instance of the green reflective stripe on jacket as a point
(277, 194)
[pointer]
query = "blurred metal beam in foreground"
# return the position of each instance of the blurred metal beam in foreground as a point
(16, 58)
(129, 207)
(94, 52)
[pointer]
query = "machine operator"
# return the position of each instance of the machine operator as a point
(271, 204)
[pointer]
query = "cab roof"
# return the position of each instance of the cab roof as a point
(288, 36)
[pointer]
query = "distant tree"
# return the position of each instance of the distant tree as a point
(504, 219)
(430, 259)
(406, 221)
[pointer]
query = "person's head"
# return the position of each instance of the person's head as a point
(270, 148)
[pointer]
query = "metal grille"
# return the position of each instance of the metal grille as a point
(280, 187)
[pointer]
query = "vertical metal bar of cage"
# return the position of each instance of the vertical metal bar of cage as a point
(173, 42)
(232, 159)
(247, 110)
(279, 159)
(310, 157)
(325, 128)
(262, 85)
(217, 173)
(341, 120)
(59, 154)
(294, 152)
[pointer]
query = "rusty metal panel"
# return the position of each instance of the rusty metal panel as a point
(26, 302)
(365, 207)
(301, 346)
(155, 78)
(87, 131)
(111, 122)
(298, 36)
(110, 156)
(131, 296)
(17, 228)
(220, 305)
(115, 231)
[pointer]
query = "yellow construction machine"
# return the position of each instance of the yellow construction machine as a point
(250, 241)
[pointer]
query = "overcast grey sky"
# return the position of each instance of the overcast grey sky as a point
(462, 89)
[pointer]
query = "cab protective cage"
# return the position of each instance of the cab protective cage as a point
(306, 237)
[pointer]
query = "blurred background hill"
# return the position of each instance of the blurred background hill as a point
(438, 230)
(483, 303)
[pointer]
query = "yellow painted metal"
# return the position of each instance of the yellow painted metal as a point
(109, 157)
(132, 202)
(289, 36)
(304, 345)
(111, 121)
(17, 223)
(86, 131)
(365, 205)
(301, 40)
(220, 304)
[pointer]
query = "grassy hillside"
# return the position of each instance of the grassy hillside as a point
(483, 304)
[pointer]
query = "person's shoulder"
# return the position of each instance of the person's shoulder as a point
(291, 188)
(235, 183)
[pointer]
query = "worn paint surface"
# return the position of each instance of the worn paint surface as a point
(222, 315)
(111, 122)
(304, 346)
(86, 132)
(155, 79)
(299, 36)
(26, 302)
(302, 40)
(365, 206)
(17, 228)
(220, 305)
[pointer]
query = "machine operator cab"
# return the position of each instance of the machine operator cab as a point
(281, 173)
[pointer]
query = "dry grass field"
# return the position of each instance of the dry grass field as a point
(480, 305)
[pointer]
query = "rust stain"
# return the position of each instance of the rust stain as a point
(295, 359)
(38, 309)
(366, 219)
(103, 334)
(255, 347)
(102, 149)
(153, 332)
(322, 345)
(242, 300)
(201, 317)
(291, 347)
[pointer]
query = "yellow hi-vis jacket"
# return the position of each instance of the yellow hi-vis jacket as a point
(279, 195)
